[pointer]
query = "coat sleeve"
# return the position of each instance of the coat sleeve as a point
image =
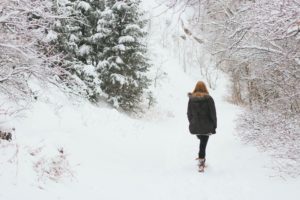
(189, 111)
(213, 114)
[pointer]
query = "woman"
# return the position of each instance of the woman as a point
(202, 117)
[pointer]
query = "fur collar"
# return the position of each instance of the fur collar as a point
(198, 95)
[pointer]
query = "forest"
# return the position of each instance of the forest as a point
(94, 93)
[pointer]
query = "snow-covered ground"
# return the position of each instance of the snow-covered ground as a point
(109, 155)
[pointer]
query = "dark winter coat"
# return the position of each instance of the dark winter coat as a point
(201, 114)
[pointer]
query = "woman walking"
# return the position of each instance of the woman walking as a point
(202, 118)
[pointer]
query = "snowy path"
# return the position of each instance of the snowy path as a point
(154, 159)
(158, 163)
(123, 158)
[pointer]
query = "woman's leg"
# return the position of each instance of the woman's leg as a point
(202, 147)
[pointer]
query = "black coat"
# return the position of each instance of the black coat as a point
(201, 114)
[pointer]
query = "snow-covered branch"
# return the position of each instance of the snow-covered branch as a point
(16, 48)
(24, 50)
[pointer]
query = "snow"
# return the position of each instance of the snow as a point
(84, 5)
(51, 36)
(110, 155)
(119, 5)
(119, 78)
(133, 27)
(89, 70)
(120, 47)
(119, 60)
(102, 64)
(97, 36)
(84, 49)
(125, 39)
(73, 38)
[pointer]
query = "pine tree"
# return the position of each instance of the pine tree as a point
(79, 40)
(124, 62)
(105, 48)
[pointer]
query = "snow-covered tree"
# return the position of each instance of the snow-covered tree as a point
(124, 61)
(78, 38)
(23, 27)
(105, 47)
(77, 33)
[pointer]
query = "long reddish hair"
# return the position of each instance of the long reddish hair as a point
(200, 87)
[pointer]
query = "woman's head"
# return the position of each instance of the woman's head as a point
(200, 87)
